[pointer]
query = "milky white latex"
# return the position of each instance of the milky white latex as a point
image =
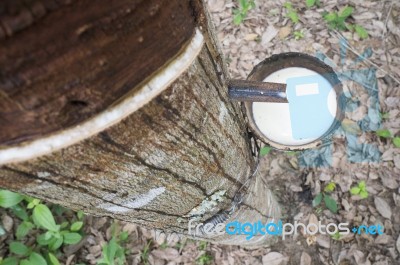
(273, 119)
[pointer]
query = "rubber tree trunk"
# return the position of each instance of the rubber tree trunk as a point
(120, 109)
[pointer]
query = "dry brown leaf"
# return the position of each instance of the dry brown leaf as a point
(305, 259)
(383, 207)
(284, 32)
(274, 258)
(166, 254)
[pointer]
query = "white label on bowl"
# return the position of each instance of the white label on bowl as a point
(307, 89)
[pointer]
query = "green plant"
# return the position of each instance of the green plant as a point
(384, 133)
(336, 236)
(204, 259)
(265, 150)
(240, 13)
(113, 252)
(298, 34)
(164, 245)
(144, 255)
(384, 115)
(37, 220)
(291, 12)
(330, 203)
(311, 3)
(337, 20)
(203, 245)
(360, 189)
(396, 142)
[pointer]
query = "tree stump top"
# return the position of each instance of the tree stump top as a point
(47, 49)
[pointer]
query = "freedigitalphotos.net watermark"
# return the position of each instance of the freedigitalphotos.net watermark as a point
(279, 229)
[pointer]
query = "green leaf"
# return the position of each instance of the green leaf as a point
(48, 235)
(340, 24)
(25, 262)
(80, 214)
(42, 241)
(123, 236)
(362, 185)
(9, 261)
(317, 200)
(330, 203)
(237, 19)
(33, 203)
(20, 212)
(55, 243)
(112, 249)
(310, 3)
(76, 226)
(346, 12)
(44, 218)
(53, 259)
(384, 133)
(2, 231)
(330, 187)
(9, 198)
(265, 150)
(64, 225)
(293, 16)
(361, 32)
(72, 238)
(19, 248)
(288, 5)
(350, 27)
(364, 194)
(330, 17)
(396, 142)
(23, 229)
(37, 259)
(355, 190)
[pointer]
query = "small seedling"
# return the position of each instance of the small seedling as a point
(330, 203)
(384, 133)
(360, 189)
(311, 3)
(330, 187)
(396, 142)
(291, 12)
(337, 20)
(240, 13)
(113, 252)
(204, 259)
(298, 35)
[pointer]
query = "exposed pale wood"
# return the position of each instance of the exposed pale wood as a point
(76, 60)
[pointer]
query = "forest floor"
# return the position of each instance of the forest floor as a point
(370, 156)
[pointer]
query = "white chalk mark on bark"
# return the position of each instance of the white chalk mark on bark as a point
(222, 113)
(134, 202)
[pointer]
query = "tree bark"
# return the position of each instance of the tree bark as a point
(122, 110)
